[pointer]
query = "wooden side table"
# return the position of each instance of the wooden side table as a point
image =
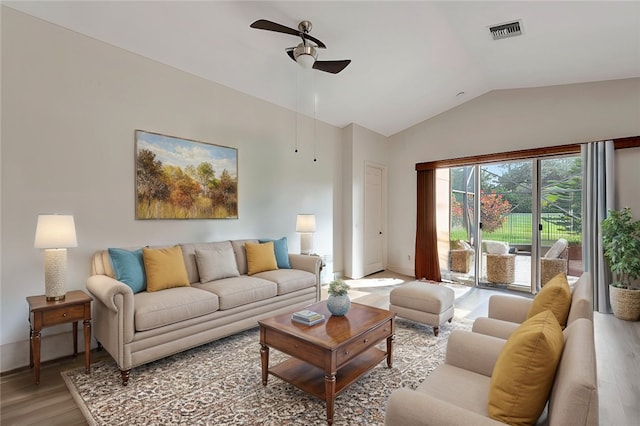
(76, 306)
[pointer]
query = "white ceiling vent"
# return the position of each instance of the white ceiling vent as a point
(510, 29)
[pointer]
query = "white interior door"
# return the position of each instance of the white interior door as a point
(374, 218)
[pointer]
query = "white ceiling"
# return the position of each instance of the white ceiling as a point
(409, 59)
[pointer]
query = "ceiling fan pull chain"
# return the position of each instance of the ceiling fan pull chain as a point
(315, 120)
(297, 109)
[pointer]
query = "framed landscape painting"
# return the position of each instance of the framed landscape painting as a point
(184, 179)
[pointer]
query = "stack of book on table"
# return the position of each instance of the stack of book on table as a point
(307, 317)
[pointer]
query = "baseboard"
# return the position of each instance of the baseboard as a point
(54, 347)
(401, 270)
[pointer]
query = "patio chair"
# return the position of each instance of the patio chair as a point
(461, 257)
(554, 261)
(501, 264)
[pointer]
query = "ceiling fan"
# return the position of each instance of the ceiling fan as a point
(306, 52)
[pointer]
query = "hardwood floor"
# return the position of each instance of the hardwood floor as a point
(617, 352)
(49, 403)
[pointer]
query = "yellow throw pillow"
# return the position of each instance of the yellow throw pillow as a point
(556, 296)
(524, 371)
(165, 268)
(260, 257)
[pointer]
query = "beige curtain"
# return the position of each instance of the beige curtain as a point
(427, 263)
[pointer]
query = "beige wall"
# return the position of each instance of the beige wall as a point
(70, 105)
(509, 120)
(360, 147)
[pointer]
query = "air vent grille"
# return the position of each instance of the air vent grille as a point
(507, 30)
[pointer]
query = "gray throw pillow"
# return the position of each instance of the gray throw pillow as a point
(216, 263)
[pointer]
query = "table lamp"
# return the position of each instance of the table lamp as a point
(306, 226)
(55, 233)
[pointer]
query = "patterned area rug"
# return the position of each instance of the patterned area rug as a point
(220, 383)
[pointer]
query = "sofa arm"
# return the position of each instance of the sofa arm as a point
(114, 310)
(407, 407)
(473, 351)
(105, 289)
(509, 308)
(494, 327)
(306, 263)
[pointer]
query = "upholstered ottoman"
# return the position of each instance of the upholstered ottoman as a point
(431, 304)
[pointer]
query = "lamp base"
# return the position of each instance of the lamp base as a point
(55, 298)
(306, 243)
(55, 273)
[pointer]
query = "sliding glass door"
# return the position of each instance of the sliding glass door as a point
(523, 226)
(560, 217)
(506, 224)
(463, 229)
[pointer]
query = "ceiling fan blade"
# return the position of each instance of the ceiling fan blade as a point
(333, 67)
(263, 24)
(290, 53)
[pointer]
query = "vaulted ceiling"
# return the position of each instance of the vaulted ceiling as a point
(410, 60)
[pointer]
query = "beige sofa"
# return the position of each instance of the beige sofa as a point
(507, 312)
(457, 392)
(139, 328)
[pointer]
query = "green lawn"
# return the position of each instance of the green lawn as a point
(517, 230)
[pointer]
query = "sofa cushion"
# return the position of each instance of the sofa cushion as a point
(281, 251)
(237, 291)
(216, 263)
(464, 388)
(524, 371)
(164, 268)
(171, 306)
(241, 254)
(128, 268)
(189, 255)
(260, 257)
(289, 280)
(555, 296)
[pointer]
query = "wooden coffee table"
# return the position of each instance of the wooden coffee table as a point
(329, 356)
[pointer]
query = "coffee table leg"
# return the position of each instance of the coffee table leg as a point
(264, 357)
(330, 394)
(390, 340)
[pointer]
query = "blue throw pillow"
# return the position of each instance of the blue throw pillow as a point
(281, 251)
(128, 267)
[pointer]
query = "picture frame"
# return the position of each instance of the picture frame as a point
(178, 178)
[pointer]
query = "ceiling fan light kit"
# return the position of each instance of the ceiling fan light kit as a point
(305, 53)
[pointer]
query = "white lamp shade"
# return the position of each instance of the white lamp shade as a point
(306, 223)
(55, 231)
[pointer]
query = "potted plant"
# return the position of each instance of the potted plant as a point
(338, 301)
(621, 244)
